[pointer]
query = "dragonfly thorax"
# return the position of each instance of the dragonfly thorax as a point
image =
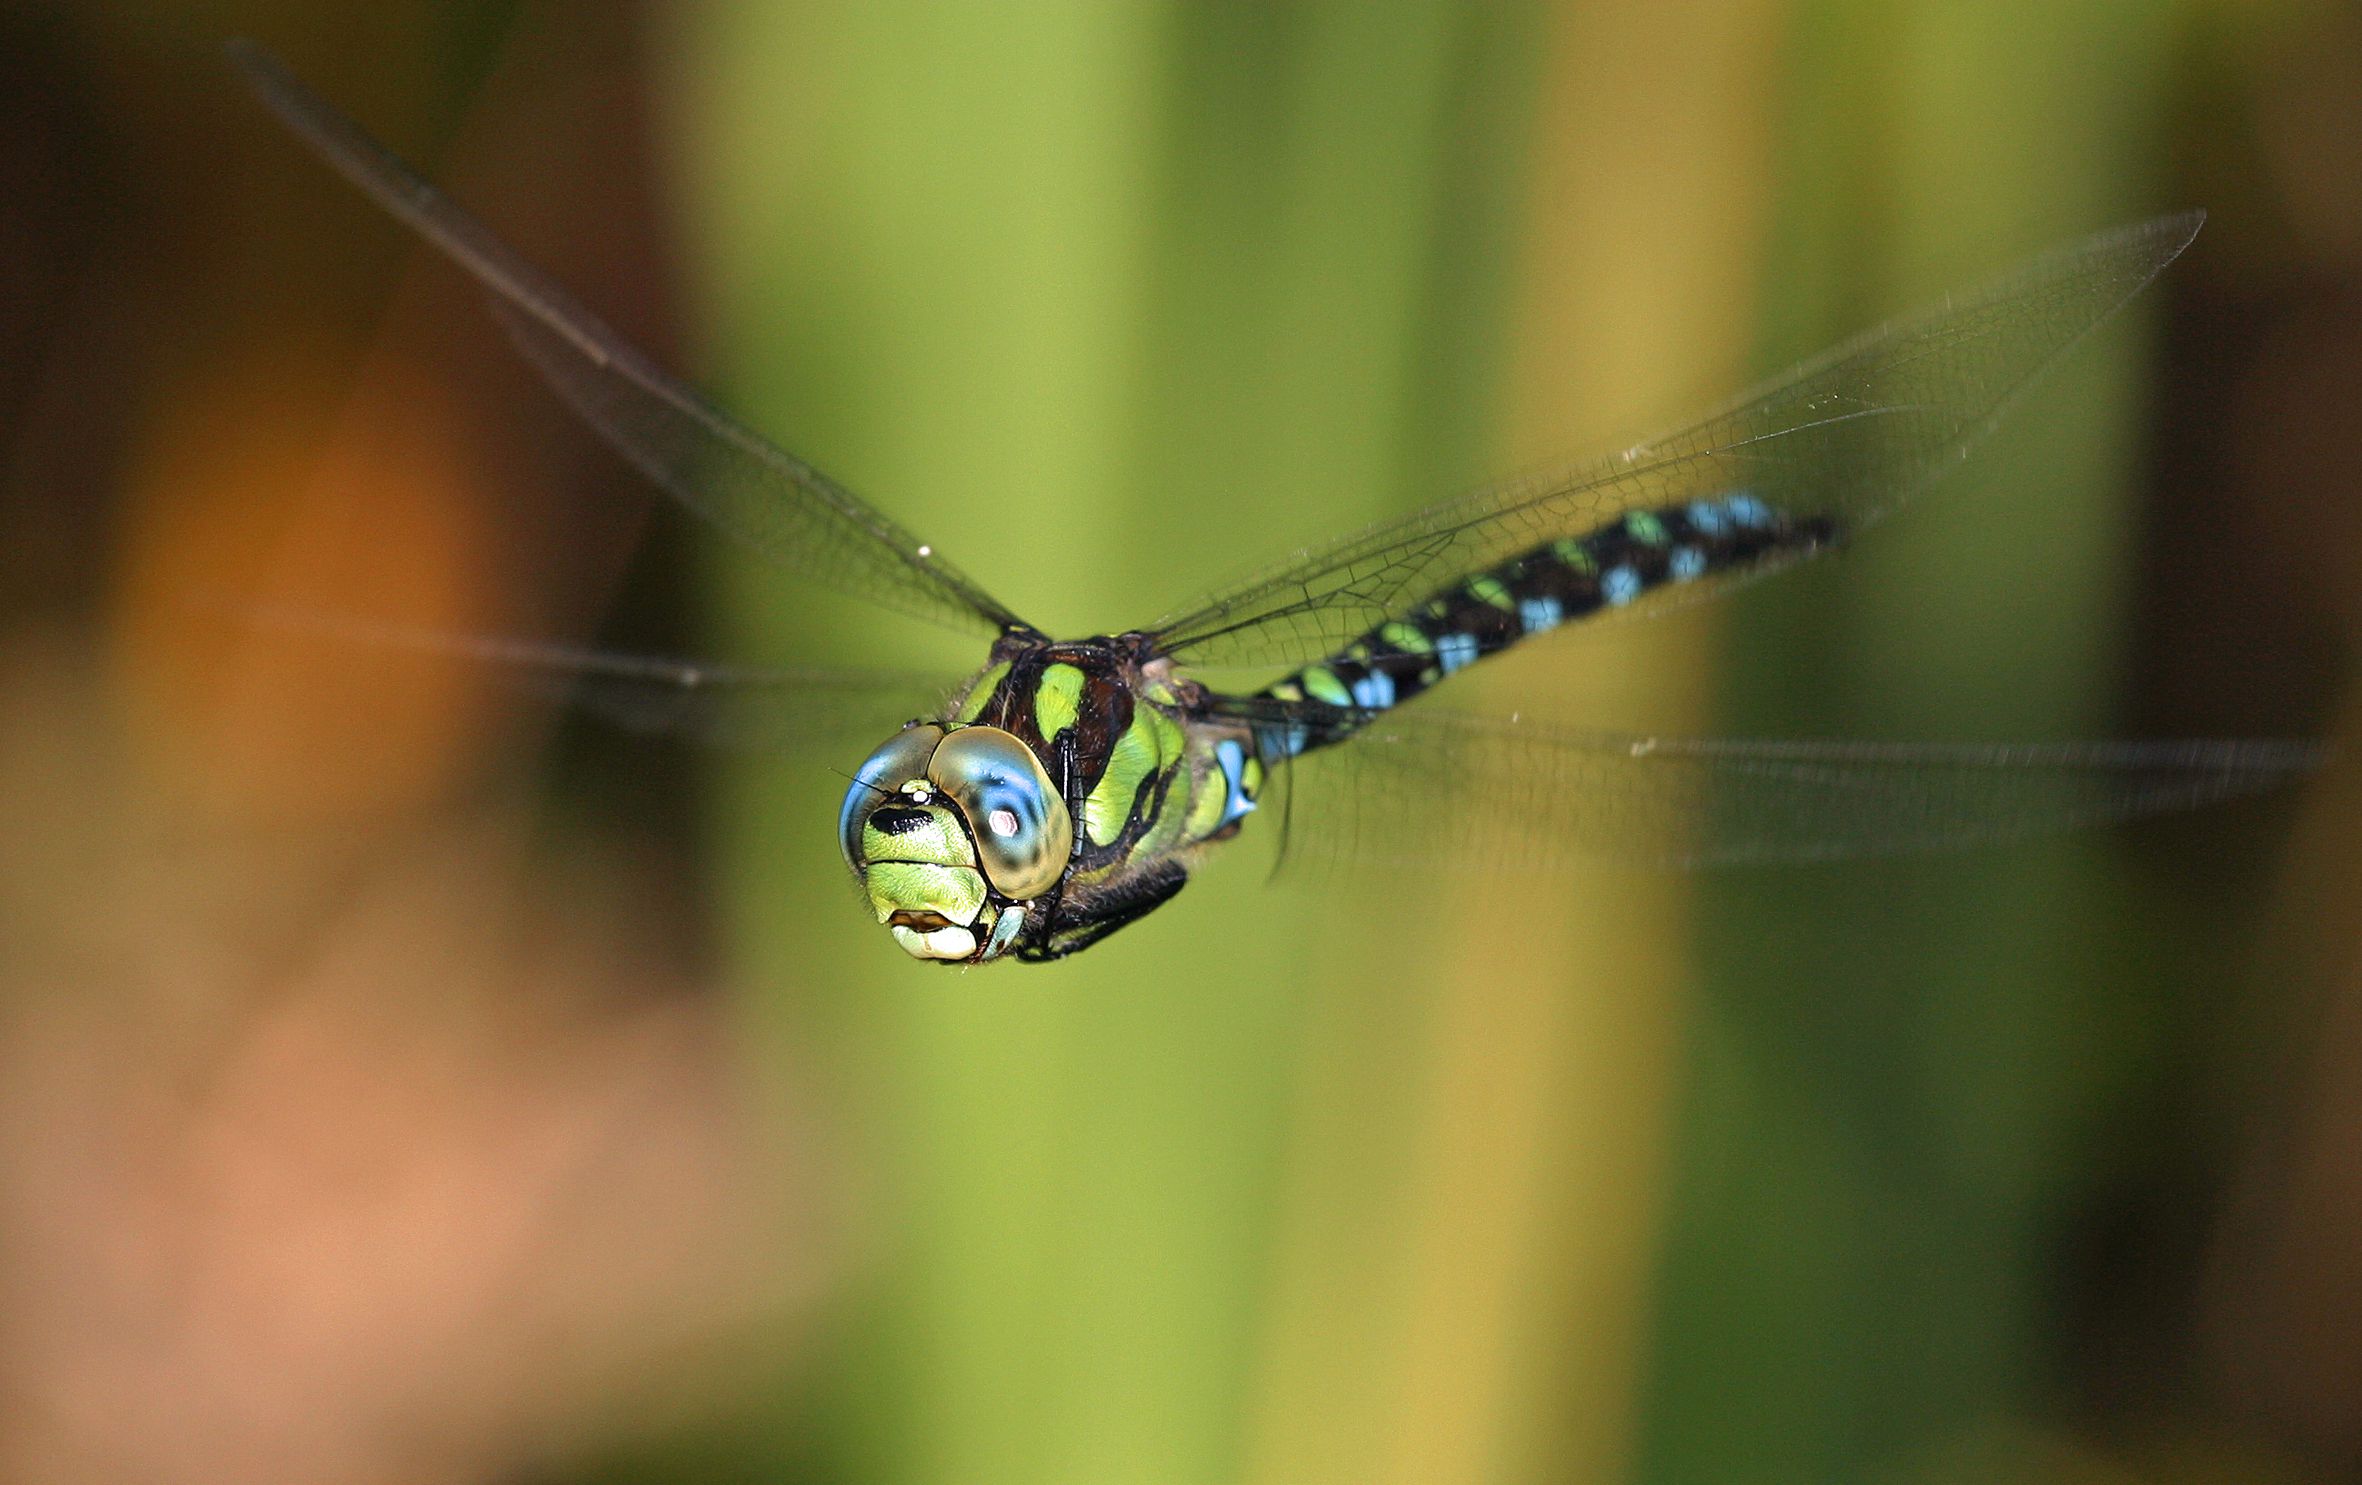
(1065, 794)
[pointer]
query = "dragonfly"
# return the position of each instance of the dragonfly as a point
(1069, 787)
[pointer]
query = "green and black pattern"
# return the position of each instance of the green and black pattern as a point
(1531, 594)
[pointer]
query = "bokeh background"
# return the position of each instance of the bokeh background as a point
(402, 1082)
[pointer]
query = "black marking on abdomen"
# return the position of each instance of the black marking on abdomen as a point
(1532, 593)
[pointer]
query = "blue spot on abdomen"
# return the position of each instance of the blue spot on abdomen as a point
(1747, 510)
(1455, 651)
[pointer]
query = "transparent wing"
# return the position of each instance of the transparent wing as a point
(1444, 787)
(733, 707)
(763, 496)
(1849, 435)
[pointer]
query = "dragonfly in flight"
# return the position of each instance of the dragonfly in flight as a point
(1068, 787)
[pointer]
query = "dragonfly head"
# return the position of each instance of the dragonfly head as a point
(953, 830)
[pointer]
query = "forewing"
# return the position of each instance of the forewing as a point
(1849, 435)
(763, 496)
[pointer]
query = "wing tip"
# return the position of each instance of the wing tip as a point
(267, 77)
(2169, 236)
(2135, 254)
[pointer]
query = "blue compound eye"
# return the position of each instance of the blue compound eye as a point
(903, 758)
(1024, 836)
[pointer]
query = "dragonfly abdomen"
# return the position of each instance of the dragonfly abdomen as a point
(1532, 593)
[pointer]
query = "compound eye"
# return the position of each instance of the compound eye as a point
(1023, 833)
(903, 758)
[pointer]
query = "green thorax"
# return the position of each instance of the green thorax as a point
(1121, 737)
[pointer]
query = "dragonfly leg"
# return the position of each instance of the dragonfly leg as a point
(1077, 926)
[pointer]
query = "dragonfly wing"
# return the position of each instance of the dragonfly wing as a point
(763, 496)
(733, 707)
(738, 708)
(1847, 436)
(1421, 788)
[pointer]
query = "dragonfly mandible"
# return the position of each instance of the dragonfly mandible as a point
(1071, 786)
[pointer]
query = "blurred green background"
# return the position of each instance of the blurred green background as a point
(398, 1082)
